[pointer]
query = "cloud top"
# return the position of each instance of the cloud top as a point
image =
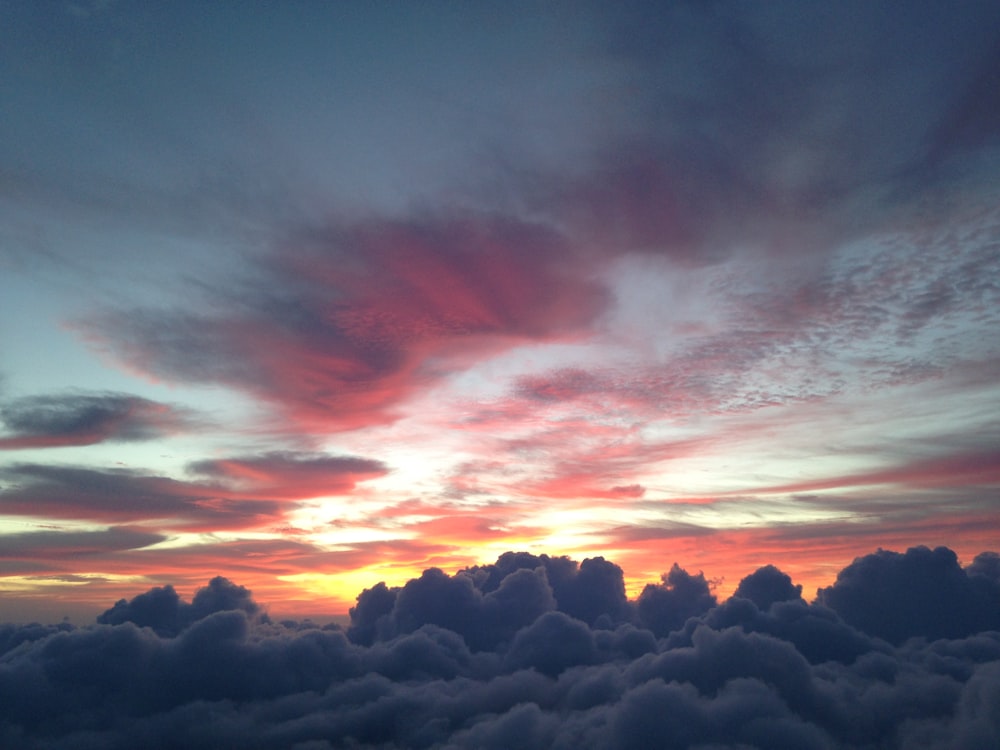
(491, 656)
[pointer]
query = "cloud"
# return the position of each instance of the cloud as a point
(237, 492)
(489, 604)
(348, 323)
(553, 643)
(216, 671)
(764, 145)
(352, 320)
(921, 592)
(291, 475)
(768, 585)
(972, 468)
(55, 544)
(124, 496)
(85, 419)
(54, 552)
(665, 607)
(162, 609)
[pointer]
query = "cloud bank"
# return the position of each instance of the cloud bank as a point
(535, 652)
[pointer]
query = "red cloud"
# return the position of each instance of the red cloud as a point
(339, 330)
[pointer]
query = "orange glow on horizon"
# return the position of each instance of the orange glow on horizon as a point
(290, 585)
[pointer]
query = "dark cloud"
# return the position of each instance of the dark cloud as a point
(233, 492)
(490, 604)
(986, 565)
(159, 672)
(60, 554)
(163, 610)
(768, 585)
(12, 636)
(48, 545)
(667, 606)
(88, 418)
(817, 632)
(553, 643)
(124, 496)
(921, 592)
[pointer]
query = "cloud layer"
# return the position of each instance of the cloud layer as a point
(498, 656)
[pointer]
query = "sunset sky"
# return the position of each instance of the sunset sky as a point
(317, 295)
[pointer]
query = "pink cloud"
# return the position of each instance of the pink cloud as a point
(338, 330)
(290, 475)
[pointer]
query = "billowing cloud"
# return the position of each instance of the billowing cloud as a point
(217, 670)
(768, 585)
(162, 610)
(489, 604)
(88, 418)
(887, 594)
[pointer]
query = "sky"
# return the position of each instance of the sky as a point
(314, 296)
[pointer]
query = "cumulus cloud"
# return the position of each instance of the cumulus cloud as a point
(157, 671)
(768, 585)
(162, 610)
(665, 607)
(921, 592)
(49, 421)
(490, 604)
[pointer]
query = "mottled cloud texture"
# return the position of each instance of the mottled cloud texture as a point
(531, 651)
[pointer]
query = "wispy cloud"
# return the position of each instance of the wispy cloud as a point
(47, 421)
(340, 327)
(241, 492)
